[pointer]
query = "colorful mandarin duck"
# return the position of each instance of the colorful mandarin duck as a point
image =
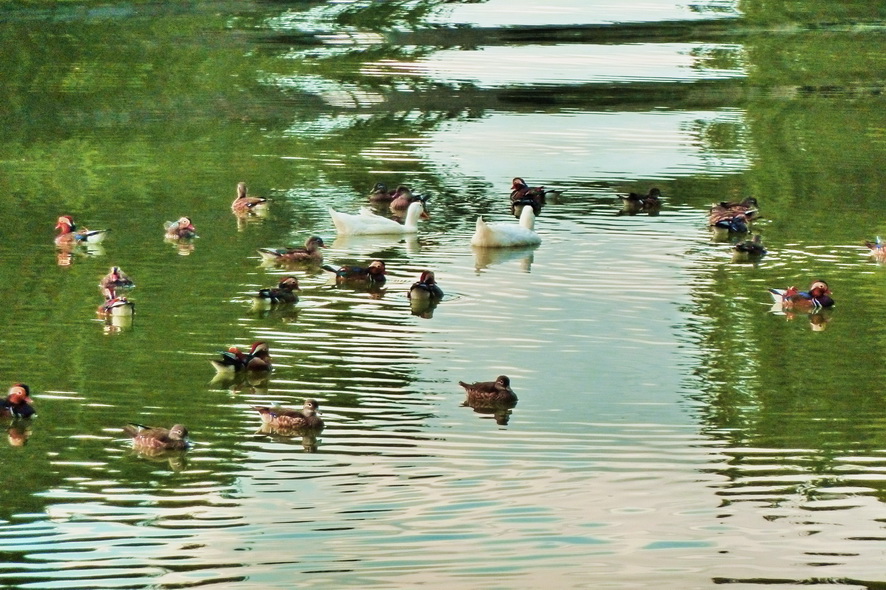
(182, 229)
(817, 297)
(234, 360)
(311, 253)
(634, 203)
(283, 293)
(722, 214)
(18, 403)
(69, 235)
(115, 305)
(116, 279)
(149, 439)
(507, 235)
(749, 250)
(370, 276)
(244, 205)
(367, 223)
(523, 195)
(490, 393)
(294, 420)
(878, 250)
(425, 289)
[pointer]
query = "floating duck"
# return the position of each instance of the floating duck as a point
(817, 297)
(311, 253)
(878, 250)
(283, 293)
(115, 305)
(234, 360)
(634, 203)
(425, 289)
(725, 227)
(368, 223)
(292, 420)
(70, 235)
(726, 209)
(182, 229)
(17, 403)
(372, 275)
(244, 205)
(151, 439)
(490, 393)
(116, 279)
(403, 197)
(749, 250)
(507, 235)
(381, 194)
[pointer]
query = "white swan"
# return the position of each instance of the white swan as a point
(368, 223)
(507, 235)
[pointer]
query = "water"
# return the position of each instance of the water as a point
(670, 429)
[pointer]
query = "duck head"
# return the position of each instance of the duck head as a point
(289, 284)
(19, 394)
(376, 268)
(65, 224)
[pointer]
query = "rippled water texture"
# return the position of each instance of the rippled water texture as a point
(671, 428)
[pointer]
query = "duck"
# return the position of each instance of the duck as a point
(115, 305)
(372, 275)
(17, 403)
(403, 197)
(425, 289)
(381, 194)
(727, 226)
(283, 293)
(817, 297)
(182, 229)
(490, 393)
(244, 205)
(149, 438)
(233, 360)
(368, 223)
(310, 253)
(635, 203)
(523, 195)
(70, 235)
(878, 250)
(749, 250)
(507, 235)
(289, 419)
(116, 279)
(727, 210)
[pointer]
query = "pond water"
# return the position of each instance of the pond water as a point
(671, 429)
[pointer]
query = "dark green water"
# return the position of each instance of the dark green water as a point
(670, 430)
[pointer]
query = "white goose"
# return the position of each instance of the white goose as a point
(507, 235)
(368, 223)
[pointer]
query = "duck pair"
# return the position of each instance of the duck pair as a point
(233, 360)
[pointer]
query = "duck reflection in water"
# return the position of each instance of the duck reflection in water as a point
(491, 397)
(487, 257)
(253, 382)
(18, 434)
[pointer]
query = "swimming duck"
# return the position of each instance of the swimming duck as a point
(727, 226)
(18, 403)
(506, 235)
(182, 229)
(425, 289)
(147, 438)
(244, 205)
(726, 210)
(749, 250)
(878, 250)
(403, 197)
(283, 293)
(372, 275)
(818, 296)
(115, 305)
(634, 203)
(70, 235)
(289, 419)
(234, 360)
(368, 223)
(116, 279)
(311, 253)
(489, 393)
(381, 194)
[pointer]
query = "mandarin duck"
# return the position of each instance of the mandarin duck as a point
(507, 235)
(425, 289)
(311, 253)
(381, 194)
(817, 297)
(17, 403)
(490, 393)
(244, 204)
(367, 223)
(634, 203)
(69, 235)
(234, 360)
(878, 250)
(151, 439)
(372, 275)
(292, 420)
(116, 279)
(283, 293)
(182, 229)
(749, 250)
(403, 197)
(115, 305)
